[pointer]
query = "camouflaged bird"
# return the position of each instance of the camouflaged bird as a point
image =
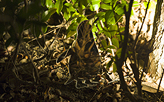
(84, 62)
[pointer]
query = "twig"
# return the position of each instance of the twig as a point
(36, 74)
(124, 48)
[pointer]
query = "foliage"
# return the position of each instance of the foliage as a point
(16, 16)
(110, 13)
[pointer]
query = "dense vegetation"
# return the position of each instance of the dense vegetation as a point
(30, 28)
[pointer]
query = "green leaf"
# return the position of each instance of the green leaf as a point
(111, 47)
(114, 2)
(102, 49)
(94, 28)
(44, 29)
(135, 4)
(81, 18)
(67, 9)
(72, 29)
(59, 5)
(99, 26)
(115, 42)
(106, 6)
(114, 67)
(107, 33)
(49, 4)
(74, 1)
(110, 51)
(119, 37)
(119, 9)
(84, 2)
(113, 30)
(109, 17)
(71, 9)
(118, 53)
(66, 13)
(70, 33)
(122, 29)
(68, 4)
(47, 14)
(95, 5)
(95, 1)
(132, 13)
(104, 43)
(152, 5)
(74, 15)
(100, 14)
(106, 1)
(80, 8)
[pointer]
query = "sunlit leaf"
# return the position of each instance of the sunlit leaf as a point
(66, 15)
(81, 18)
(132, 13)
(100, 14)
(74, 15)
(73, 1)
(95, 5)
(106, 6)
(119, 9)
(68, 4)
(106, 1)
(94, 28)
(114, 3)
(135, 4)
(49, 4)
(109, 17)
(59, 5)
(152, 5)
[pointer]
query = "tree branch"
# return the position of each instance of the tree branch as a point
(122, 59)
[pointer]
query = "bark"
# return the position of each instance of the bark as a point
(156, 57)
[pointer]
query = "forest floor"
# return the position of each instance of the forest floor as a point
(19, 82)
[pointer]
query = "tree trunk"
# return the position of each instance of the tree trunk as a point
(156, 57)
